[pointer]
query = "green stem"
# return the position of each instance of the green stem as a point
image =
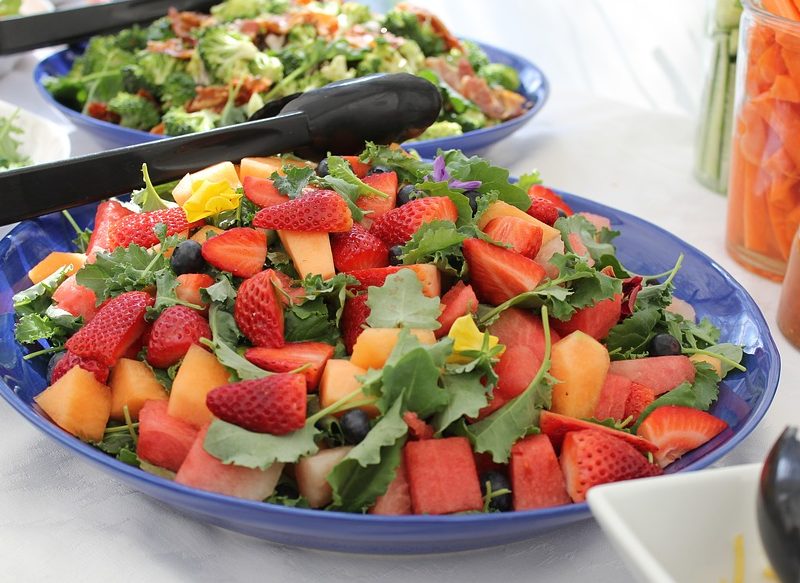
(50, 350)
(72, 222)
(120, 428)
(129, 423)
(333, 407)
(725, 359)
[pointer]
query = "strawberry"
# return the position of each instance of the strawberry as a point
(360, 168)
(262, 191)
(557, 426)
(293, 355)
(539, 191)
(240, 251)
(354, 318)
(417, 427)
(458, 301)
(358, 249)
(638, 400)
(189, 286)
(398, 225)
(173, 332)
(524, 238)
(543, 210)
(676, 430)
(386, 182)
(498, 274)
(316, 211)
(275, 404)
(108, 212)
(69, 360)
(591, 457)
(287, 293)
(427, 274)
(139, 228)
(259, 312)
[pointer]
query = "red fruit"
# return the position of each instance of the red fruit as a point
(117, 325)
(287, 293)
(537, 190)
(70, 360)
(515, 370)
(676, 430)
(189, 286)
(518, 327)
(591, 457)
(557, 426)
(458, 301)
(543, 210)
(262, 191)
(442, 476)
(240, 251)
(173, 332)
(291, 356)
(596, 320)
(599, 222)
(397, 499)
(638, 400)
(613, 396)
(386, 182)
(275, 404)
(139, 228)
(358, 249)
(76, 299)
(108, 212)
(498, 274)
(360, 168)
(427, 274)
(660, 373)
(354, 318)
(536, 478)
(258, 311)
(417, 427)
(524, 237)
(498, 400)
(398, 225)
(164, 441)
(316, 210)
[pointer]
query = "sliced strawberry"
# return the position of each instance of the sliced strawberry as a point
(354, 318)
(288, 293)
(417, 427)
(189, 286)
(76, 299)
(596, 320)
(556, 426)
(291, 356)
(240, 251)
(458, 301)
(173, 332)
(358, 249)
(70, 360)
(258, 311)
(591, 457)
(638, 400)
(314, 211)
(386, 182)
(360, 168)
(524, 237)
(108, 213)
(543, 210)
(139, 228)
(677, 430)
(427, 273)
(117, 325)
(398, 225)
(275, 404)
(540, 191)
(262, 191)
(498, 274)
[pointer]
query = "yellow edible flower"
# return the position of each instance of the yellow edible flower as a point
(210, 198)
(466, 337)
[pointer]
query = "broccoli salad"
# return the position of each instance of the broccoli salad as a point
(10, 156)
(189, 72)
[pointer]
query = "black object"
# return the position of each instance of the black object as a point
(778, 506)
(25, 33)
(396, 255)
(336, 118)
(405, 193)
(378, 170)
(472, 196)
(188, 258)
(355, 426)
(664, 344)
(322, 168)
(498, 482)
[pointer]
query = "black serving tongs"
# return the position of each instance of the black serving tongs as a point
(25, 33)
(337, 118)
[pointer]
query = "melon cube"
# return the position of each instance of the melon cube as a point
(374, 345)
(199, 373)
(713, 361)
(312, 472)
(132, 383)
(164, 441)
(580, 363)
(536, 477)
(310, 252)
(339, 380)
(204, 233)
(55, 261)
(264, 166)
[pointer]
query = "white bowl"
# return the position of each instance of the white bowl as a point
(28, 7)
(682, 527)
(42, 140)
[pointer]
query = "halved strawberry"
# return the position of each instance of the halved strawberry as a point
(358, 249)
(240, 251)
(591, 457)
(258, 311)
(543, 210)
(354, 318)
(458, 301)
(556, 426)
(108, 213)
(638, 400)
(262, 191)
(398, 225)
(189, 286)
(677, 430)
(360, 168)
(140, 228)
(524, 237)
(70, 360)
(498, 274)
(314, 211)
(427, 273)
(275, 404)
(288, 293)
(291, 356)
(117, 325)
(173, 332)
(417, 427)
(386, 182)
(543, 192)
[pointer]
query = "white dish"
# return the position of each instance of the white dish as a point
(682, 527)
(27, 8)
(42, 140)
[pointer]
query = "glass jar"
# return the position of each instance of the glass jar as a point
(764, 183)
(789, 307)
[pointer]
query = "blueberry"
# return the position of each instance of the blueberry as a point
(187, 258)
(664, 345)
(498, 481)
(473, 196)
(395, 254)
(378, 170)
(322, 168)
(355, 426)
(51, 365)
(562, 214)
(405, 194)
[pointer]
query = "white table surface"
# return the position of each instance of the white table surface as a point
(626, 78)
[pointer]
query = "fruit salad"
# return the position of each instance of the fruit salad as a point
(371, 333)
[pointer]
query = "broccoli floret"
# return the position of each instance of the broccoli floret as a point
(178, 122)
(475, 55)
(233, 9)
(336, 69)
(302, 34)
(470, 119)
(228, 54)
(386, 59)
(502, 75)
(10, 7)
(160, 29)
(407, 25)
(67, 90)
(356, 13)
(135, 111)
(132, 39)
(441, 129)
(157, 67)
(178, 88)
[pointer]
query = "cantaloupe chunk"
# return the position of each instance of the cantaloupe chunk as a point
(220, 172)
(78, 403)
(55, 261)
(581, 364)
(206, 232)
(199, 372)
(263, 167)
(339, 380)
(708, 359)
(503, 209)
(374, 345)
(430, 277)
(312, 472)
(310, 252)
(132, 383)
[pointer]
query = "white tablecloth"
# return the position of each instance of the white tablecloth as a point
(617, 128)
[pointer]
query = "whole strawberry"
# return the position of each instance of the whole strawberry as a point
(275, 404)
(358, 249)
(258, 310)
(543, 210)
(139, 228)
(316, 210)
(173, 332)
(69, 360)
(398, 225)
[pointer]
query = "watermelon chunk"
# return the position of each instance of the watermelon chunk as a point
(515, 370)
(536, 477)
(386, 182)
(397, 499)
(660, 373)
(164, 440)
(613, 397)
(517, 327)
(458, 301)
(76, 299)
(556, 426)
(596, 320)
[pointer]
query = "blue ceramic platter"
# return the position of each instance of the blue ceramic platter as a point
(643, 248)
(533, 86)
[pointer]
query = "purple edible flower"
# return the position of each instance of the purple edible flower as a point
(440, 174)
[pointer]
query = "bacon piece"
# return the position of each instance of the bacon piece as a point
(173, 47)
(215, 97)
(496, 102)
(436, 24)
(184, 22)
